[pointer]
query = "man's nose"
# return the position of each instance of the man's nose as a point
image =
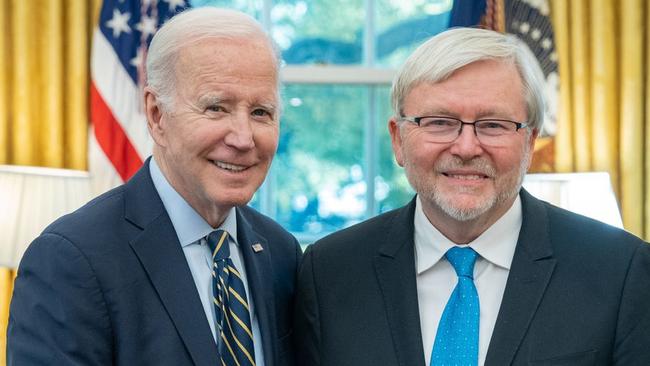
(240, 135)
(467, 144)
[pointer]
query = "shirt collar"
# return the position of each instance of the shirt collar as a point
(497, 244)
(190, 227)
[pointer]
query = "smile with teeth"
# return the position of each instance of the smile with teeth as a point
(230, 167)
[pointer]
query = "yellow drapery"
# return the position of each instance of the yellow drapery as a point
(44, 53)
(604, 97)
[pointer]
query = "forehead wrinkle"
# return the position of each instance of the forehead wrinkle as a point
(203, 80)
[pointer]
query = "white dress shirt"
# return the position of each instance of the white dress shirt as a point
(191, 230)
(436, 278)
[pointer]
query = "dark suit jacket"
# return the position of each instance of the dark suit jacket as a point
(578, 293)
(109, 285)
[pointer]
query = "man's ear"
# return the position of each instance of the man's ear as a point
(154, 112)
(396, 140)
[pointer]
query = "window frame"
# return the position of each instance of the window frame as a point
(367, 74)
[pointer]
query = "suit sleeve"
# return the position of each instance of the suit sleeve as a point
(306, 316)
(58, 314)
(632, 344)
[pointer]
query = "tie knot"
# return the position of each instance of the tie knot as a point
(462, 259)
(218, 243)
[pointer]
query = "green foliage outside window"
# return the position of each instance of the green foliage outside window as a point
(320, 177)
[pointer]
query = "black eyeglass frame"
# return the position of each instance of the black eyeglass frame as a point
(416, 120)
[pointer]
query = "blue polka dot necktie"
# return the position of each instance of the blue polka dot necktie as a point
(235, 339)
(457, 337)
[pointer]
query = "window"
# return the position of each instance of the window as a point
(334, 165)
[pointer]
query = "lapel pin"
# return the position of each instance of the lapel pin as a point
(257, 247)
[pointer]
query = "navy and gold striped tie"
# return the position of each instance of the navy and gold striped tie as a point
(235, 338)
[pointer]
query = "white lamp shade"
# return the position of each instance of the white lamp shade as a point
(589, 194)
(30, 199)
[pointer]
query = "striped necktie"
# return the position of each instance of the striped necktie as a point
(235, 338)
(456, 340)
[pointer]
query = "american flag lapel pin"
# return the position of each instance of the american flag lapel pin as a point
(257, 247)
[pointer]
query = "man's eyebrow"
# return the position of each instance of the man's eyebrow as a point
(437, 112)
(480, 114)
(271, 106)
(492, 112)
(209, 99)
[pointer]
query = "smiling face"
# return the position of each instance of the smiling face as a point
(463, 180)
(216, 141)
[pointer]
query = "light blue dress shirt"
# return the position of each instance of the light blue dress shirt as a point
(191, 230)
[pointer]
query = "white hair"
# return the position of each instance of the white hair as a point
(439, 57)
(189, 27)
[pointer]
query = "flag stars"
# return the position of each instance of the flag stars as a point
(147, 25)
(139, 56)
(546, 43)
(536, 34)
(119, 23)
(540, 5)
(524, 27)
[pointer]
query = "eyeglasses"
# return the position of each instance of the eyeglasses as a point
(490, 131)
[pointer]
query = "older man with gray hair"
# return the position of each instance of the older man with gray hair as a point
(474, 270)
(173, 268)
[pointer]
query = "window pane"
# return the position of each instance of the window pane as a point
(319, 32)
(255, 200)
(392, 189)
(251, 7)
(318, 174)
(404, 25)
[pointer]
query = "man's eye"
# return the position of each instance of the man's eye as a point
(493, 125)
(261, 113)
(215, 108)
(438, 122)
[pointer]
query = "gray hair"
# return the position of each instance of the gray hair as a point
(192, 26)
(440, 56)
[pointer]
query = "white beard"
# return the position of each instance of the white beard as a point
(431, 193)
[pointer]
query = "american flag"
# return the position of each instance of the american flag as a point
(119, 140)
(530, 20)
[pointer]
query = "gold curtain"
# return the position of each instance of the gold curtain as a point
(44, 76)
(602, 48)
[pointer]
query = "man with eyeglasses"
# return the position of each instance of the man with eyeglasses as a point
(474, 270)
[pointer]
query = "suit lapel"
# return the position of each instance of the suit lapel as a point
(395, 269)
(259, 275)
(530, 272)
(162, 257)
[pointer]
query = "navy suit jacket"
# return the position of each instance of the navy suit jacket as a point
(109, 285)
(578, 293)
